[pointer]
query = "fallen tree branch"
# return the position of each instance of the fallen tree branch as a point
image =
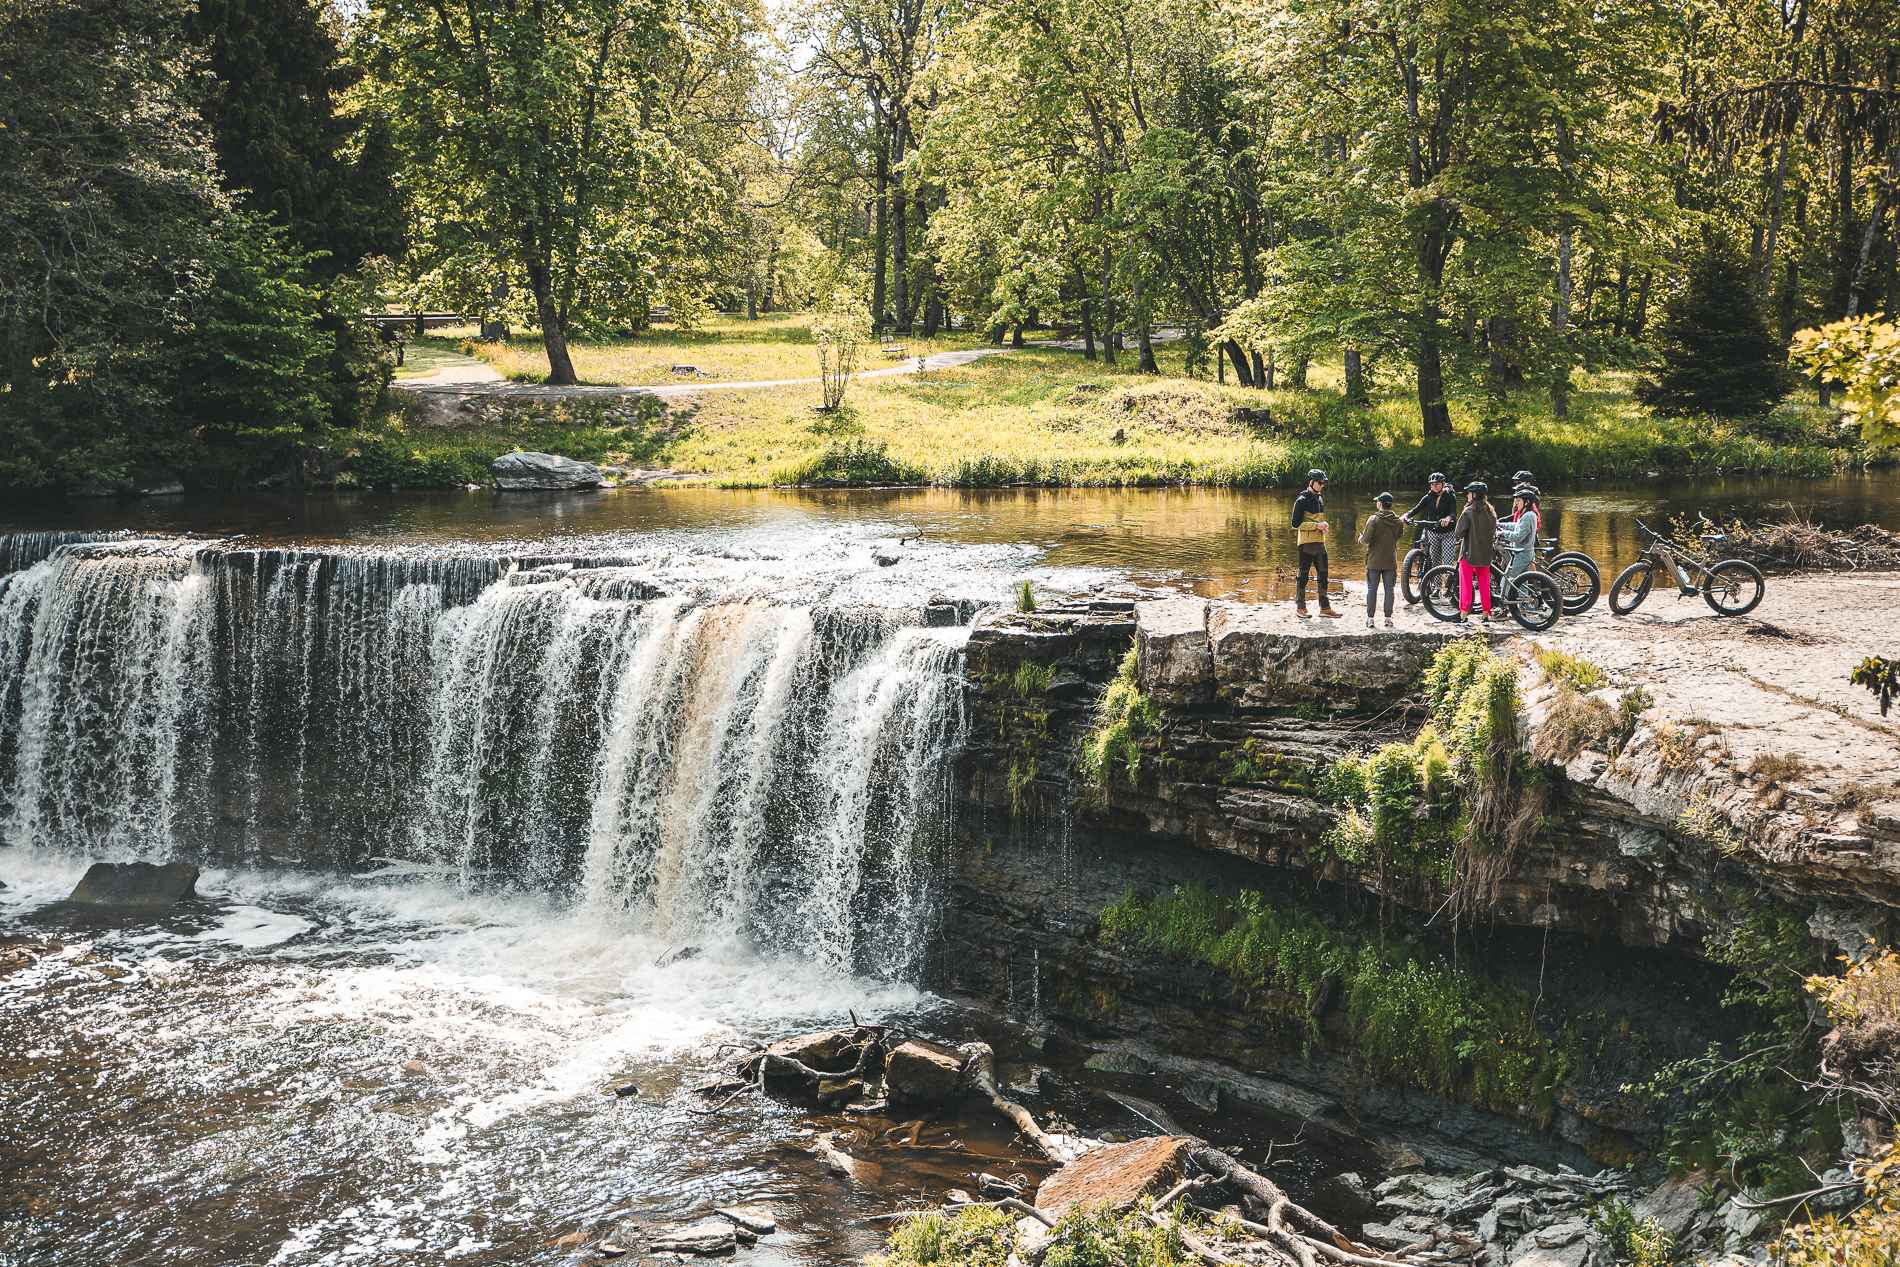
(1749, 1203)
(1023, 1207)
(979, 1064)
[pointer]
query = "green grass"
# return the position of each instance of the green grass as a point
(1410, 1016)
(1048, 417)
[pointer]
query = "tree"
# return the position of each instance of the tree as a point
(1718, 354)
(840, 332)
(285, 147)
(108, 203)
(534, 145)
(1865, 355)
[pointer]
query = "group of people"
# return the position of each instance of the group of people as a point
(1469, 534)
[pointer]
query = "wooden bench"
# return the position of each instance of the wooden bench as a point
(890, 347)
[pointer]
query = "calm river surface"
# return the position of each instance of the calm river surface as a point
(411, 1061)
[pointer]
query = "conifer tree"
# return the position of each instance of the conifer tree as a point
(1719, 355)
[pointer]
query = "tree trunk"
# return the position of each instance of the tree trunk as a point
(1299, 372)
(1434, 413)
(1243, 373)
(1774, 216)
(933, 314)
(1867, 240)
(751, 299)
(883, 233)
(900, 255)
(1259, 370)
(1088, 330)
(1016, 339)
(1108, 304)
(1266, 380)
(1147, 365)
(1640, 318)
(553, 329)
(1560, 325)
(1355, 378)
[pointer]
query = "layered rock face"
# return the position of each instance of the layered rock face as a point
(1645, 851)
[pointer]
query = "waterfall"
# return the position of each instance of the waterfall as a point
(704, 750)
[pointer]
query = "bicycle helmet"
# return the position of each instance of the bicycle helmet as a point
(1384, 499)
(1477, 486)
(1437, 477)
(1525, 490)
(1316, 474)
(1523, 477)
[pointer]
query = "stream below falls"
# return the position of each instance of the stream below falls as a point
(500, 802)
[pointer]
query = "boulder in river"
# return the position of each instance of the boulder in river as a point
(757, 1218)
(916, 1073)
(136, 884)
(1119, 1174)
(715, 1236)
(532, 472)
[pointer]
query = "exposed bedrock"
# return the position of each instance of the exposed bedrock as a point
(1603, 913)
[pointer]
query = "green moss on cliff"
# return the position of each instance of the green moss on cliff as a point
(1409, 1015)
(1122, 716)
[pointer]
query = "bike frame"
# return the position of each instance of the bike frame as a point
(1675, 562)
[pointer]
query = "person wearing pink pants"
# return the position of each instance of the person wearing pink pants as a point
(1476, 534)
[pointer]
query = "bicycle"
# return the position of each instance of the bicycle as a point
(1533, 599)
(1731, 587)
(1574, 571)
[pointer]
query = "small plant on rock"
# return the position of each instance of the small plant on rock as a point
(1122, 716)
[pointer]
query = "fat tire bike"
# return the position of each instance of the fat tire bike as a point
(1731, 587)
(1575, 572)
(1534, 600)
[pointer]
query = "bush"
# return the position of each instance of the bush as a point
(1122, 715)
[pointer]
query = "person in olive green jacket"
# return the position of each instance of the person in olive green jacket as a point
(1380, 536)
(1477, 537)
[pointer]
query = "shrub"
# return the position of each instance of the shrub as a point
(1561, 666)
(1122, 715)
(1868, 1236)
(850, 462)
(1773, 771)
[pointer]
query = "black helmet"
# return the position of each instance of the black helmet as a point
(1316, 474)
(1384, 499)
(1523, 477)
(1438, 477)
(1477, 486)
(1525, 490)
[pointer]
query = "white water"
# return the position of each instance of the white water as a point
(715, 749)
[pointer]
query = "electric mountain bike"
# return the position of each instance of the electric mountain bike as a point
(1533, 599)
(1575, 573)
(1732, 587)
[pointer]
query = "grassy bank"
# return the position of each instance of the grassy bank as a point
(1045, 416)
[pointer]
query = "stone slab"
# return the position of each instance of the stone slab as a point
(142, 884)
(1117, 1175)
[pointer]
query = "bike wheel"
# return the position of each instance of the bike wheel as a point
(1631, 588)
(1733, 587)
(1580, 585)
(1411, 573)
(1535, 601)
(1439, 592)
(1576, 556)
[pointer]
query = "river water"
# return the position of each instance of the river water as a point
(466, 774)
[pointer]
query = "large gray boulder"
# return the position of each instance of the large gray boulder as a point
(532, 472)
(136, 884)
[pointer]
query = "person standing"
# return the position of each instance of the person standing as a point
(1477, 533)
(1309, 527)
(1380, 536)
(1435, 514)
(1520, 531)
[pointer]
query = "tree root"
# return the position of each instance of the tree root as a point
(979, 1071)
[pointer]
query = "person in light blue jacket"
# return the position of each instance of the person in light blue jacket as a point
(1520, 532)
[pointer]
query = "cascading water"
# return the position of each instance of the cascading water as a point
(708, 747)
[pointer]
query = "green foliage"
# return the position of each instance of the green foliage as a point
(1880, 676)
(1561, 666)
(981, 1236)
(1641, 1243)
(1031, 680)
(1718, 354)
(1381, 820)
(853, 461)
(1025, 596)
(840, 332)
(1474, 701)
(1410, 1016)
(1864, 354)
(1122, 715)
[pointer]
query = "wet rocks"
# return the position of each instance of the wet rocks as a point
(1118, 1174)
(1517, 1214)
(138, 884)
(916, 1073)
(757, 1219)
(533, 472)
(714, 1236)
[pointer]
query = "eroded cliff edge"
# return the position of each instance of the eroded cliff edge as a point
(1655, 838)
